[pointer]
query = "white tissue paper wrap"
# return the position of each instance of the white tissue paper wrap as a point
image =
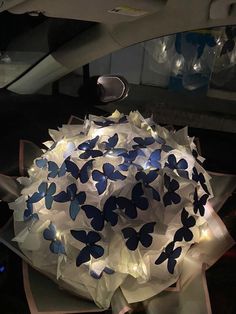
(113, 203)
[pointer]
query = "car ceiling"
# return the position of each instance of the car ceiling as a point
(134, 22)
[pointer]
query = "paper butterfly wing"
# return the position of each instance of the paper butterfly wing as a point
(145, 237)
(108, 210)
(132, 236)
(61, 197)
(80, 235)
(96, 251)
(50, 232)
(49, 196)
(52, 169)
(140, 202)
(112, 141)
(57, 247)
(95, 153)
(93, 212)
(93, 237)
(171, 265)
(41, 163)
(74, 209)
(72, 168)
(128, 206)
(154, 159)
(37, 196)
(83, 257)
(101, 184)
(163, 256)
(85, 171)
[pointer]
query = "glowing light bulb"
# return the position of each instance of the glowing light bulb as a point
(135, 267)
(197, 67)
(204, 234)
(58, 235)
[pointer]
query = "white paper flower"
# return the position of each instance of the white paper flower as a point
(116, 196)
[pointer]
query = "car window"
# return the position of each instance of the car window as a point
(25, 40)
(184, 61)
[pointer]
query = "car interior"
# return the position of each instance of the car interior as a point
(174, 60)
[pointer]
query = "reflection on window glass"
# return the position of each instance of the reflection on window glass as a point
(189, 61)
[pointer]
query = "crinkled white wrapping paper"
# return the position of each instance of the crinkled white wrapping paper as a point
(141, 272)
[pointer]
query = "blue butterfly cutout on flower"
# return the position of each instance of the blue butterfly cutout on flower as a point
(170, 254)
(143, 236)
(106, 270)
(110, 146)
(75, 199)
(199, 203)
(54, 170)
(88, 148)
(184, 233)
(109, 173)
(129, 158)
(83, 174)
(154, 159)
(107, 122)
(99, 217)
(28, 213)
(104, 123)
(199, 177)
(171, 196)
(196, 155)
(46, 192)
(137, 201)
(148, 178)
(41, 163)
(50, 234)
(91, 248)
(180, 165)
(143, 142)
(162, 142)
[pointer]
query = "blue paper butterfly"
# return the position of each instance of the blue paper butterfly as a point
(129, 158)
(170, 254)
(180, 166)
(137, 201)
(171, 196)
(123, 120)
(143, 143)
(108, 122)
(83, 174)
(88, 148)
(56, 245)
(199, 203)
(184, 233)
(154, 159)
(110, 146)
(143, 236)
(54, 170)
(91, 248)
(148, 178)
(76, 199)
(196, 155)
(162, 142)
(46, 192)
(199, 177)
(106, 270)
(104, 123)
(28, 213)
(41, 163)
(99, 217)
(102, 177)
